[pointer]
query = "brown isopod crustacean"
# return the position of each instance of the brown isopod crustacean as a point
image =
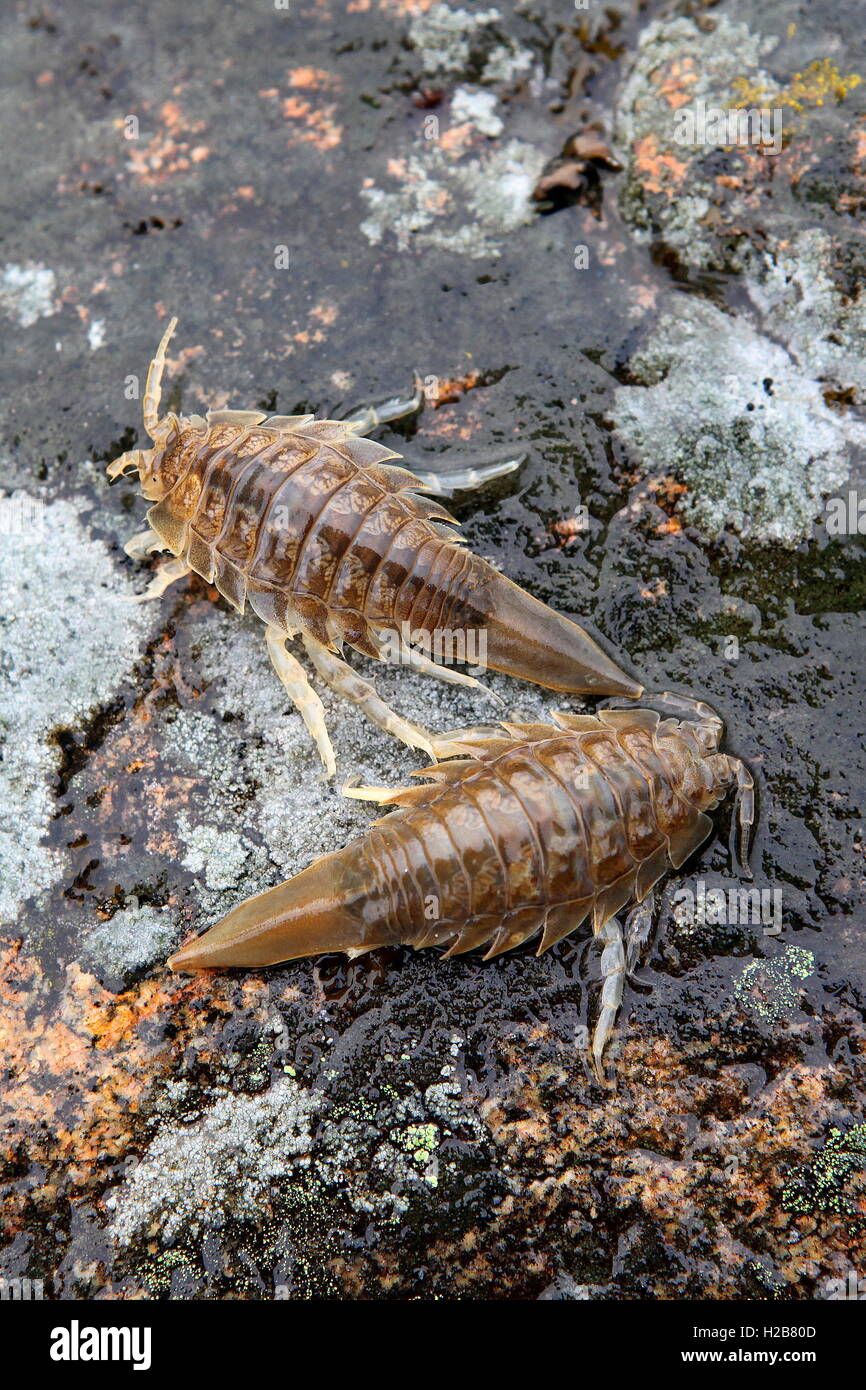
(530, 829)
(312, 525)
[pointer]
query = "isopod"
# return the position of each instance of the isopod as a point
(529, 830)
(311, 524)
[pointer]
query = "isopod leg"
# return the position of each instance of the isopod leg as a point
(613, 976)
(742, 817)
(622, 951)
(464, 472)
(473, 740)
(302, 694)
(638, 929)
(142, 543)
(395, 408)
(380, 796)
(153, 385)
(167, 574)
(472, 470)
(346, 682)
(417, 661)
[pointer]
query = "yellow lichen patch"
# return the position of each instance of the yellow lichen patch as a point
(819, 83)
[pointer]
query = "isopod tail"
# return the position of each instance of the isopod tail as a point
(527, 639)
(326, 907)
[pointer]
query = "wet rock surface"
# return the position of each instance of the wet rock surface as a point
(338, 194)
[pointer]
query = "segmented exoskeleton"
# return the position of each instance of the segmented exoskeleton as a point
(530, 830)
(311, 524)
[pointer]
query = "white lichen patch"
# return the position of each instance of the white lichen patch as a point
(219, 855)
(732, 414)
(27, 292)
(448, 41)
(466, 207)
(68, 638)
(475, 107)
(128, 943)
(800, 303)
(225, 1165)
(96, 334)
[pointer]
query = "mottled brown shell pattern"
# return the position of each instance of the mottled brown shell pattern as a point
(540, 830)
(305, 524)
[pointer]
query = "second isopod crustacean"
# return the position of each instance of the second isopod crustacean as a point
(529, 830)
(311, 524)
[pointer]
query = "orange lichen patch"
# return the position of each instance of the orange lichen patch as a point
(80, 1064)
(669, 527)
(456, 140)
(672, 77)
(662, 173)
(666, 489)
(567, 531)
(313, 79)
(170, 151)
(181, 361)
(646, 296)
(320, 317)
(58, 1078)
(319, 126)
(325, 313)
(172, 116)
(45, 78)
(639, 1149)
(656, 589)
(449, 389)
(406, 7)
